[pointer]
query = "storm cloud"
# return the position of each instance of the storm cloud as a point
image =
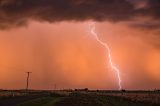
(15, 13)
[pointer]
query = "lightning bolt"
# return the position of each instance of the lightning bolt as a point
(92, 27)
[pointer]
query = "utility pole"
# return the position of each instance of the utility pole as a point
(28, 74)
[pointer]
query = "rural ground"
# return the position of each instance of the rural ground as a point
(79, 98)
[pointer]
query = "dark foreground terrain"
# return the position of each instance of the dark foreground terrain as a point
(79, 98)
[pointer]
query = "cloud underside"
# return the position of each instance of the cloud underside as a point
(15, 13)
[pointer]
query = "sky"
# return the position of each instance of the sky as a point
(52, 39)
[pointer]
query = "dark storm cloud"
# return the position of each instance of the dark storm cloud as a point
(18, 12)
(146, 25)
(150, 11)
(154, 8)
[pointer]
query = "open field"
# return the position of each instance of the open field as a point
(79, 98)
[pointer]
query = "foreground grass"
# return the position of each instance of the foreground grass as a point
(43, 101)
(85, 99)
(79, 99)
(46, 101)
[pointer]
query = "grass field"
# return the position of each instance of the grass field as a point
(80, 98)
